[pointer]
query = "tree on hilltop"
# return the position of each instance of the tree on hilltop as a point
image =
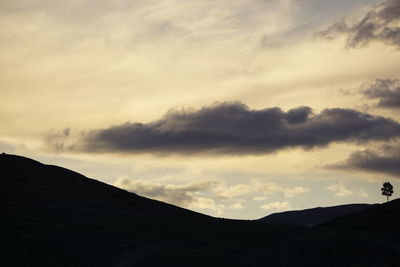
(387, 190)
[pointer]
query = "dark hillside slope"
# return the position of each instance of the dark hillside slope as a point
(28, 183)
(383, 218)
(51, 216)
(315, 216)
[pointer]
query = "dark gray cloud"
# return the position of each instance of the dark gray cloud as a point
(233, 128)
(386, 91)
(381, 23)
(386, 160)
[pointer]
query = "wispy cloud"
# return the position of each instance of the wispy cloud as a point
(214, 195)
(236, 206)
(386, 91)
(260, 198)
(272, 188)
(339, 190)
(363, 193)
(56, 141)
(277, 206)
(184, 195)
(380, 23)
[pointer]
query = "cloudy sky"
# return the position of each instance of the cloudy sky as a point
(236, 108)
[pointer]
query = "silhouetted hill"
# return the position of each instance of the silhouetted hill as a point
(25, 182)
(315, 216)
(382, 217)
(51, 216)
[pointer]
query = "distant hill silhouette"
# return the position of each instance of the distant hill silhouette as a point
(383, 217)
(314, 216)
(54, 217)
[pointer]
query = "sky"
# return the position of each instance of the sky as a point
(236, 109)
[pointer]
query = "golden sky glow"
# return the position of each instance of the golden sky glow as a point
(86, 65)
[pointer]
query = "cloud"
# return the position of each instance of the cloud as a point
(277, 206)
(363, 193)
(236, 206)
(271, 188)
(386, 91)
(380, 23)
(291, 192)
(181, 195)
(385, 160)
(234, 191)
(339, 190)
(260, 198)
(212, 195)
(162, 20)
(207, 204)
(233, 128)
(256, 186)
(185, 195)
(56, 141)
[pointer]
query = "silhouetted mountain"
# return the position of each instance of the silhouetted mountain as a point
(315, 216)
(51, 216)
(383, 217)
(25, 182)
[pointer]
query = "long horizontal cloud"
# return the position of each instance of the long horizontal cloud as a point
(381, 24)
(387, 91)
(386, 160)
(233, 128)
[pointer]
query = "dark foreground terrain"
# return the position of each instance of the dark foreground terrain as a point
(52, 216)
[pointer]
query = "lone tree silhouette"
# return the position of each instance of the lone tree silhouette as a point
(387, 190)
